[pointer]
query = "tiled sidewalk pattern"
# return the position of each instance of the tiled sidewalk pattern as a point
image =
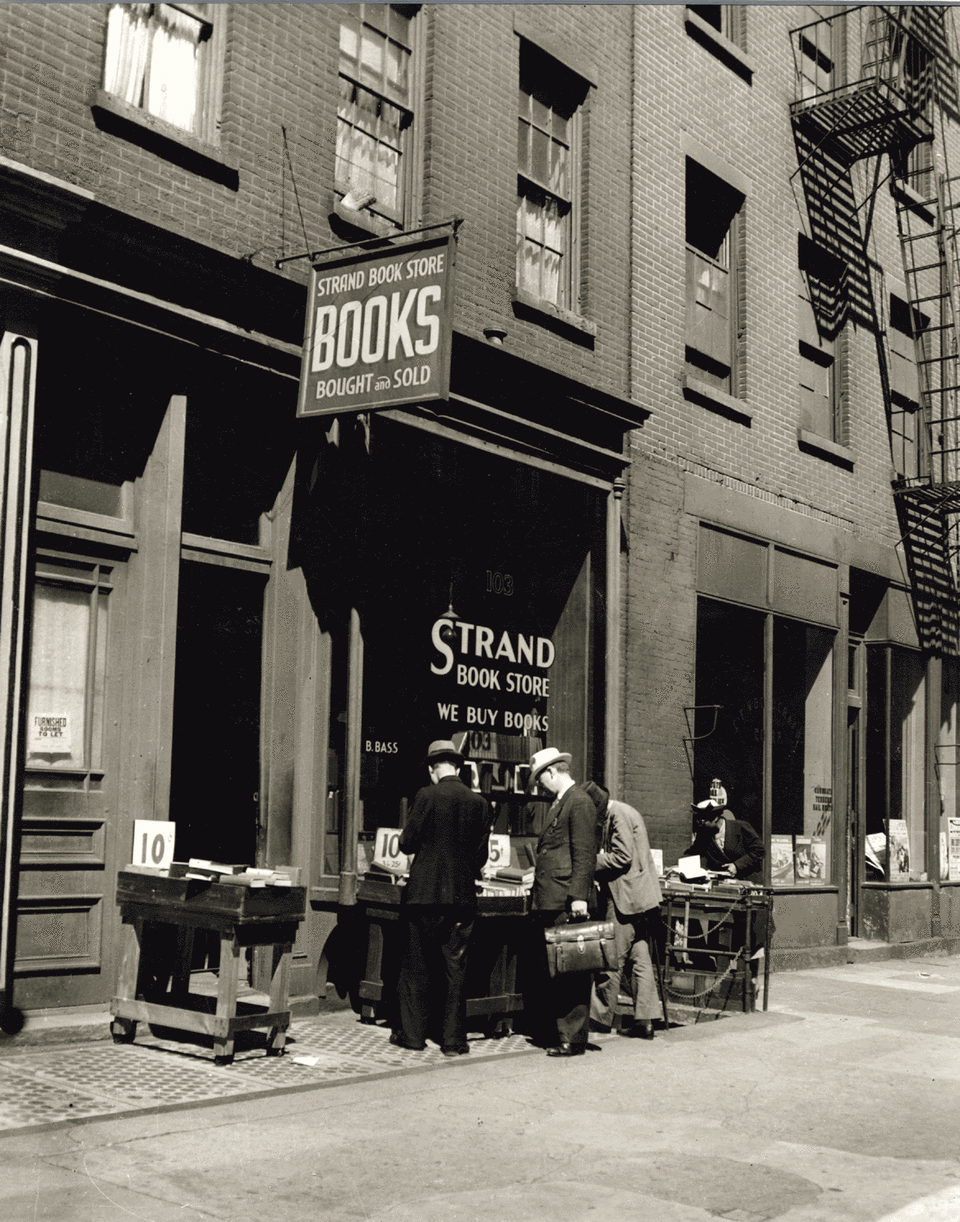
(79, 1081)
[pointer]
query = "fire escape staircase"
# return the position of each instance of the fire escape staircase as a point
(905, 71)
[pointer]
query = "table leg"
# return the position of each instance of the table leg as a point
(279, 997)
(124, 1030)
(373, 974)
(227, 998)
(184, 958)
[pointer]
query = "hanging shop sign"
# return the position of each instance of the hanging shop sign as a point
(378, 329)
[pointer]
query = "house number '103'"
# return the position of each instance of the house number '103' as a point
(499, 583)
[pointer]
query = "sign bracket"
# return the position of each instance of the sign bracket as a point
(386, 241)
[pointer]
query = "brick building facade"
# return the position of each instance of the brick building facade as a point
(668, 430)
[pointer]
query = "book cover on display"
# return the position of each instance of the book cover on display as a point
(953, 846)
(818, 859)
(801, 858)
(899, 851)
(781, 861)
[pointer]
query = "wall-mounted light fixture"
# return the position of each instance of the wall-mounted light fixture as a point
(495, 335)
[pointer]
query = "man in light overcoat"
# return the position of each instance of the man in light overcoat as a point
(630, 897)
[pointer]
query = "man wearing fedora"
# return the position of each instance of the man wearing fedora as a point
(447, 831)
(562, 886)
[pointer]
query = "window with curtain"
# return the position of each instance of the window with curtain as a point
(156, 60)
(547, 171)
(374, 112)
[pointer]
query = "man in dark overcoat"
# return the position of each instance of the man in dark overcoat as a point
(562, 888)
(448, 831)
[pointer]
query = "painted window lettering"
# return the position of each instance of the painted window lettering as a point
(516, 647)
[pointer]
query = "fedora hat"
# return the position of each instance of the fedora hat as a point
(543, 759)
(708, 808)
(443, 749)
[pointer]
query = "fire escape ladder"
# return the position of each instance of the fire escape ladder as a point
(906, 72)
(928, 500)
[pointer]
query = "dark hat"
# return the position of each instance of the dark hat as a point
(443, 749)
(597, 795)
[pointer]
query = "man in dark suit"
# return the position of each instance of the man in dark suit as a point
(562, 886)
(448, 831)
(725, 845)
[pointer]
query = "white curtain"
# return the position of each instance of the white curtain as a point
(153, 60)
(128, 27)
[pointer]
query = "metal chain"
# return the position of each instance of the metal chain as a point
(681, 996)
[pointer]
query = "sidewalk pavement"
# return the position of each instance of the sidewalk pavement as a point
(840, 1103)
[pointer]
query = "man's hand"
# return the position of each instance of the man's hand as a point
(731, 869)
(578, 908)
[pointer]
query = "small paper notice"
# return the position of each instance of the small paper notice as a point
(49, 733)
(310, 1061)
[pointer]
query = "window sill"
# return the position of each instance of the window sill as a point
(362, 222)
(804, 889)
(716, 400)
(119, 118)
(822, 447)
(920, 884)
(718, 45)
(527, 305)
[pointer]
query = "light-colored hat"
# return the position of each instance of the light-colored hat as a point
(443, 749)
(543, 759)
(710, 806)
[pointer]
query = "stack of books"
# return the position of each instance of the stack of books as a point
(235, 874)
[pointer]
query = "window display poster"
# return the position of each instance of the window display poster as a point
(781, 861)
(944, 862)
(657, 855)
(953, 847)
(801, 858)
(818, 859)
(899, 851)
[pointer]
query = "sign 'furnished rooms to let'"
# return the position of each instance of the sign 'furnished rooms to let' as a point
(378, 329)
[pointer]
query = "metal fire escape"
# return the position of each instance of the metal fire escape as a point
(890, 124)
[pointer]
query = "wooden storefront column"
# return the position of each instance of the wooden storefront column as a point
(18, 365)
(613, 764)
(351, 814)
(150, 650)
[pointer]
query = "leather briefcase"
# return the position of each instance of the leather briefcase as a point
(588, 946)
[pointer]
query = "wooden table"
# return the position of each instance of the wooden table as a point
(242, 916)
(712, 936)
(492, 960)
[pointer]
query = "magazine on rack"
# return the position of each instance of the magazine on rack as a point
(781, 861)
(899, 851)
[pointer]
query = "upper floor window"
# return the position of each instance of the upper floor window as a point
(162, 59)
(724, 18)
(816, 54)
(713, 221)
(375, 109)
(905, 417)
(547, 178)
(820, 315)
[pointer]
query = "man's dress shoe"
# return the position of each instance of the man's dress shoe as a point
(641, 1030)
(567, 1050)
